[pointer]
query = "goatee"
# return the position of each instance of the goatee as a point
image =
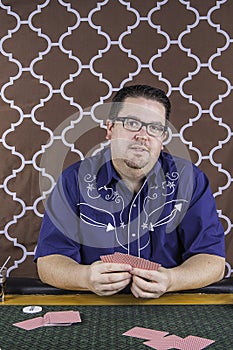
(133, 165)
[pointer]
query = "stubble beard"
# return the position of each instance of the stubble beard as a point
(133, 168)
(135, 165)
(130, 163)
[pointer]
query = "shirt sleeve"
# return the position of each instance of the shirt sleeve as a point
(200, 229)
(59, 229)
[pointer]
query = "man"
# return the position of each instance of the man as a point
(136, 199)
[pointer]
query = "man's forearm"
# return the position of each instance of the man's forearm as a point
(99, 277)
(198, 271)
(62, 272)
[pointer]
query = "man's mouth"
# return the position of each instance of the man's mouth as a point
(139, 148)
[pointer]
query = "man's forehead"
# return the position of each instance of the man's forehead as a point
(143, 107)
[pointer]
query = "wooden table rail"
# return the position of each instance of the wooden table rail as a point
(121, 299)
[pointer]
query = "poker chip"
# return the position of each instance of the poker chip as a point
(32, 309)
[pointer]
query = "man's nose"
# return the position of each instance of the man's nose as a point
(142, 131)
(142, 134)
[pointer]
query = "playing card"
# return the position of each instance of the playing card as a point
(132, 260)
(145, 333)
(107, 258)
(162, 341)
(30, 324)
(165, 343)
(57, 318)
(193, 343)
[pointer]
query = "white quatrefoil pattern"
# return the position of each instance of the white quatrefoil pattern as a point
(60, 64)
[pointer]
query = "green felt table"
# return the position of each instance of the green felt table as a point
(102, 326)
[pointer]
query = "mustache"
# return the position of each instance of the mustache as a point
(139, 144)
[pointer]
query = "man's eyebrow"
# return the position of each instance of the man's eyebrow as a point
(133, 117)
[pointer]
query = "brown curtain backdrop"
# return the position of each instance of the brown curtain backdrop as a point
(60, 64)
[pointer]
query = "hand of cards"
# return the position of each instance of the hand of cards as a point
(134, 261)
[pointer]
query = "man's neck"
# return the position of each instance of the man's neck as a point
(134, 186)
(132, 178)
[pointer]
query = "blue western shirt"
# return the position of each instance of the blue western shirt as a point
(91, 212)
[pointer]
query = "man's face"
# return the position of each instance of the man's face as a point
(134, 153)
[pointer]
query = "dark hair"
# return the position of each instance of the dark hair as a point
(145, 91)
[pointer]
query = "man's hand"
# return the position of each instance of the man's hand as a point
(108, 278)
(198, 271)
(149, 283)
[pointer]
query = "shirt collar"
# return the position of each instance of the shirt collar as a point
(106, 171)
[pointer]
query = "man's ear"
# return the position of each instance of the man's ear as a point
(164, 138)
(109, 125)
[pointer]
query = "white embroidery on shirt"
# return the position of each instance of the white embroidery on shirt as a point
(170, 185)
(111, 195)
(145, 245)
(150, 217)
(91, 187)
(114, 196)
(87, 219)
(176, 209)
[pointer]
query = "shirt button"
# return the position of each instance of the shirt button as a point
(134, 205)
(133, 234)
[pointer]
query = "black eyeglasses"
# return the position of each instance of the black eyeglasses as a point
(153, 129)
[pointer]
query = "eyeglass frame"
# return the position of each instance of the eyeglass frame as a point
(120, 119)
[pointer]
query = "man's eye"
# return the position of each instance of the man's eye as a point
(156, 128)
(133, 123)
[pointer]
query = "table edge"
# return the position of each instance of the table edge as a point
(92, 299)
